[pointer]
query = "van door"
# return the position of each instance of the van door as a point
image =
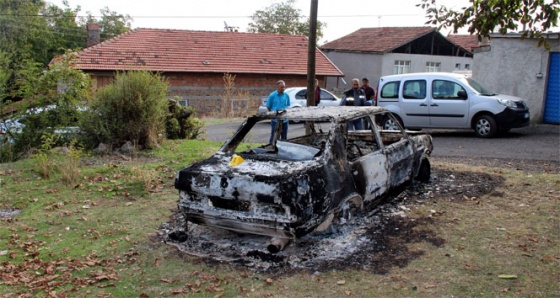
(447, 108)
(414, 104)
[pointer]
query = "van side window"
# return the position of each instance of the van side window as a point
(390, 90)
(442, 89)
(414, 89)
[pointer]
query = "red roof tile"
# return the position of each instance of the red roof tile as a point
(467, 42)
(169, 50)
(380, 40)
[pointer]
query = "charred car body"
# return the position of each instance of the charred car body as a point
(290, 188)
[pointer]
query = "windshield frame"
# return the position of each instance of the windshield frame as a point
(478, 87)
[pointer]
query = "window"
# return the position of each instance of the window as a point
(390, 90)
(401, 67)
(445, 90)
(432, 66)
(467, 66)
(457, 65)
(414, 89)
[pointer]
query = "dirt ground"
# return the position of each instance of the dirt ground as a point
(373, 241)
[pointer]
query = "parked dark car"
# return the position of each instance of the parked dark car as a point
(290, 188)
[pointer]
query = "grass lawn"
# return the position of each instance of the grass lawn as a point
(89, 227)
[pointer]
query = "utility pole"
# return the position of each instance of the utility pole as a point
(311, 58)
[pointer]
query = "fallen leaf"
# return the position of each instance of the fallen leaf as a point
(165, 280)
(508, 276)
(178, 291)
(430, 286)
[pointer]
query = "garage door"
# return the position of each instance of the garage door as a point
(552, 103)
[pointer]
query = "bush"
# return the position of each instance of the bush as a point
(133, 108)
(181, 123)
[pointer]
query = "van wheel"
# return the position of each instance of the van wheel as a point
(485, 126)
(390, 124)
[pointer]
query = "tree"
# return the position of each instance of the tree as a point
(483, 17)
(34, 31)
(282, 18)
(111, 23)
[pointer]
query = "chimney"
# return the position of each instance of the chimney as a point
(93, 34)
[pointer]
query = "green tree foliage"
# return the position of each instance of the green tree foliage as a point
(532, 17)
(133, 108)
(111, 23)
(55, 96)
(282, 18)
(37, 31)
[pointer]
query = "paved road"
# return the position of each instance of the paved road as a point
(536, 142)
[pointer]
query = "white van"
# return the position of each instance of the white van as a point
(449, 100)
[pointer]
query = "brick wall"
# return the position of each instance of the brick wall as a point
(206, 92)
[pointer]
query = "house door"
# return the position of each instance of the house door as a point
(552, 101)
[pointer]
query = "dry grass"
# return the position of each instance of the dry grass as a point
(109, 224)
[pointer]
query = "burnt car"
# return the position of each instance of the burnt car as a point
(292, 187)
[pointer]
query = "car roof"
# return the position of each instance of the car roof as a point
(425, 74)
(324, 113)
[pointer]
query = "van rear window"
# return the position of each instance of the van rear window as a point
(390, 90)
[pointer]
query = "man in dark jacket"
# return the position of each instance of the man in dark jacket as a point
(354, 97)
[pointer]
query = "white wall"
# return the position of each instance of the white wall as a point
(373, 66)
(512, 66)
(354, 65)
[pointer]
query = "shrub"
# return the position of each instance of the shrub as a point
(133, 108)
(181, 122)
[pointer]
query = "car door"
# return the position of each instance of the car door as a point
(399, 153)
(415, 103)
(328, 99)
(447, 108)
(367, 161)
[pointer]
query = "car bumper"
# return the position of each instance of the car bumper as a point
(513, 118)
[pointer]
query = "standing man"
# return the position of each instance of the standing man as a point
(277, 101)
(370, 92)
(354, 97)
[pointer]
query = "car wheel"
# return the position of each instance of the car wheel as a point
(485, 126)
(424, 172)
(390, 124)
(350, 207)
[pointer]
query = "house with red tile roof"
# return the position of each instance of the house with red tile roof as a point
(195, 62)
(374, 52)
(466, 41)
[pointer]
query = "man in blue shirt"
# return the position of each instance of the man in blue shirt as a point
(277, 101)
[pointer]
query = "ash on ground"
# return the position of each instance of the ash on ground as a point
(373, 241)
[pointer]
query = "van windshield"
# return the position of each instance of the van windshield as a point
(478, 87)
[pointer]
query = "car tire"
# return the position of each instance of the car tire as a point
(389, 123)
(485, 126)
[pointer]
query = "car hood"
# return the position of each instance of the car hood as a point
(505, 96)
(220, 162)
